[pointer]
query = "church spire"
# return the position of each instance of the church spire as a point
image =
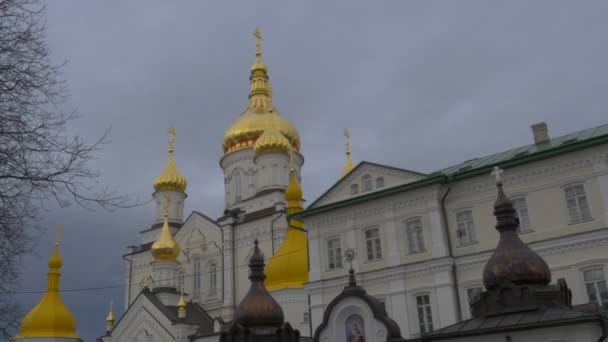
(260, 99)
(49, 318)
(349, 163)
(110, 318)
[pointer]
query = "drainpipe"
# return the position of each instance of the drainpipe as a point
(450, 251)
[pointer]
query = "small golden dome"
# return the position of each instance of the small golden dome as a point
(271, 141)
(288, 267)
(260, 114)
(170, 179)
(165, 248)
(181, 304)
(110, 319)
(50, 317)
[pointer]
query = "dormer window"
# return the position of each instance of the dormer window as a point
(367, 183)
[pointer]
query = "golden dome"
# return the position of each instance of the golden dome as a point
(288, 267)
(110, 319)
(165, 248)
(271, 141)
(50, 317)
(260, 114)
(170, 179)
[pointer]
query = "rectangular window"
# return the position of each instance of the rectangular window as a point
(521, 210)
(576, 203)
(415, 240)
(367, 183)
(465, 228)
(196, 278)
(372, 244)
(425, 316)
(595, 282)
(334, 254)
(379, 182)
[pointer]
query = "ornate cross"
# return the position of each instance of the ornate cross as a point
(57, 235)
(258, 44)
(171, 131)
(497, 172)
(349, 255)
(347, 136)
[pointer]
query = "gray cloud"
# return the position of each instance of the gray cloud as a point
(421, 85)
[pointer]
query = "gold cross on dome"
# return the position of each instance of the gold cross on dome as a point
(171, 131)
(347, 136)
(258, 44)
(57, 235)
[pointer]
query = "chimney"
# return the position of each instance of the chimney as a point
(540, 132)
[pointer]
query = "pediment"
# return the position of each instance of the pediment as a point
(198, 234)
(143, 318)
(382, 177)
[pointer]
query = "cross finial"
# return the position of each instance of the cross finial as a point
(350, 256)
(57, 235)
(347, 136)
(258, 45)
(171, 131)
(146, 283)
(497, 173)
(166, 205)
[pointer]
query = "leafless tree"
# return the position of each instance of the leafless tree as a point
(39, 159)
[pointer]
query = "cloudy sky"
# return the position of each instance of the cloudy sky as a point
(421, 85)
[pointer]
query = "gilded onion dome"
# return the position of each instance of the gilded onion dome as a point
(271, 141)
(288, 267)
(49, 318)
(165, 248)
(260, 114)
(170, 179)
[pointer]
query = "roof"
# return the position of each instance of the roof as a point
(510, 322)
(470, 168)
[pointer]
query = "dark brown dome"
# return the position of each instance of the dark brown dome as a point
(258, 308)
(512, 260)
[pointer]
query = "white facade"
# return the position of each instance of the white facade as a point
(434, 240)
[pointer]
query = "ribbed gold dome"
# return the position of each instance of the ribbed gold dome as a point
(165, 248)
(170, 179)
(271, 141)
(260, 114)
(49, 318)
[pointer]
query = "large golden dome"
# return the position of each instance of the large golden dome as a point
(260, 113)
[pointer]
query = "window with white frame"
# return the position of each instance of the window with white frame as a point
(415, 239)
(212, 274)
(595, 282)
(425, 315)
(521, 210)
(576, 203)
(334, 253)
(465, 227)
(354, 189)
(379, 182)
(181, 280)
(373, 245)
(367, 183)
(196, 278)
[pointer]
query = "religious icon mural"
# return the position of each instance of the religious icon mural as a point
(355, 330)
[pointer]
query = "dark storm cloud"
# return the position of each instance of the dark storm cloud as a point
(421, 85)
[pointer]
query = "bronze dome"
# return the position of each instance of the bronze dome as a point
(512, 260)
(258, 308)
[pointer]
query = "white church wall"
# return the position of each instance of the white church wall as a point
(585, 332)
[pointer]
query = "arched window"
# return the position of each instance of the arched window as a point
(212, 270)
(373, 245)
(354, 189)
(415, 239)
(237, 185)
(196, 278)
(379, 182)
(367, 183)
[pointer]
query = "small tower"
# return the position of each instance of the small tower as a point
(171, 183)
(49, 320)
(165, 251)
